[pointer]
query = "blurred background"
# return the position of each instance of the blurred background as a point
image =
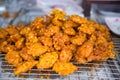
(23, 11)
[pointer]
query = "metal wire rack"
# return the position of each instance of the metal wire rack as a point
(99, 70)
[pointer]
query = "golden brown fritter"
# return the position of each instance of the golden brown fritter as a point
(55, 37)
(20, 43)
(78, 39)
(100, 45)
(3, 43)
(3, 33)
(60, 15)
(11, 30)
(51, 30)
(37, 23)
(6, 47)
(65, 39)
(102, 50)
(59, 40)
(13, 57)
(85, 28)
(57, 22)
(24, 54)
(40, 32)
(84, 51)
(31, 37)
(14, 37)
(25, 30)
(9, 48)
(69, 31)
(36, 49)
(69, 24)
(72, 47)
(65, 55)
(47, 60)
(77, 19)
(47, 41)
(110, 53)
(24, 67)
(64, 68)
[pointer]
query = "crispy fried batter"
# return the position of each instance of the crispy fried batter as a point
(6, 48)
(31, 37)
(47, 41)
(60, 15)
(60, 39)
(85, 28)
(13, 57)
(24, 54)
(37, 23)
(69, 24)
(65, 55)
(51, 30)
(20, 43)
(11, 30)
(78, 39)
(36, 49)
(47, 60)
(77, 19)
(25, 30)
(55, 37)
(3, 33)
(84, 51)
(69, 31)
(24, 67)
(64, 68)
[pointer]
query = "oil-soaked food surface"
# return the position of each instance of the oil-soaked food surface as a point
(53, 41)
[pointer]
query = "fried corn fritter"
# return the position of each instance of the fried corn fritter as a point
(25, 56)
(53, 41)
(13, 57)
(64, 68)
(36, 49)
(25, 66)
(47, 60)
(65, 55)
(84, 51)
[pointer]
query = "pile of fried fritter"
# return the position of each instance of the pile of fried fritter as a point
(52, 41)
